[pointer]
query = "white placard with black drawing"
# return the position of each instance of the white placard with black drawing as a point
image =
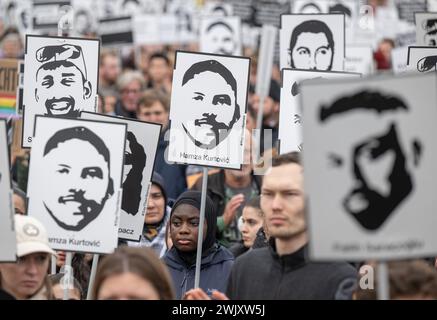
(220, 35)
(8, 245)
(208, 109)
(116, 31)
(422, 59)
(426, 28)
(369, 162)
(312, 41)
(60, 80)
(309, 6)
(290, 112)
(75, 180)
(46, 14)
(139, 159)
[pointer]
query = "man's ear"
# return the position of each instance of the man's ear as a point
(36, 95)
(87, 90)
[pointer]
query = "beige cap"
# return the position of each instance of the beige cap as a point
(31, 236)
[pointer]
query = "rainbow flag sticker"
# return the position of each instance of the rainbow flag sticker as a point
(8, 86)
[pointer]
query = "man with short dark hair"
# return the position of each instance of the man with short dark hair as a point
(311, 46)
(79, 189)
(220, 38)
(216, 110)
(281, 271)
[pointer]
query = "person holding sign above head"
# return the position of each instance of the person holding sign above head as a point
(132, 274)
(311, 46)
(216, 260)
(27, 278)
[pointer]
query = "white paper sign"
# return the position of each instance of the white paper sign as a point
(426, 28)
(60, 80)
(75, 179)
(369, 160)
(312, 41)
(290, 112)
(422, 59)
(155, 29)
(309, 6)
(208, 108)
(141, 144)
(216, 8)
(8, 245)
(220, 35)
(399, 57)
(359, 59)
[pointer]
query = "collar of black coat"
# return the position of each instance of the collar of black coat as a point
(293, 260)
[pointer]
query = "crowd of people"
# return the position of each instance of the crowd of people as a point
(255, 241)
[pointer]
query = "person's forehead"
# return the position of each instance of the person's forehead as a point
(311, 38)
(59, 71)
(65, 149)
(220, 29)
(185, 210)
(157, 105)
(204, 80)
(284, 177)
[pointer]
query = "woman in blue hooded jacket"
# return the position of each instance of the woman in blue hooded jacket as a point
(216, 260)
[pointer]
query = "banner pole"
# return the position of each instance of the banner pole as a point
(201, 223)
(383, 287)
(67, 273)
(92, 276)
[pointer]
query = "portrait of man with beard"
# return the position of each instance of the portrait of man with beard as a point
(221, 36)
(379, 165)
(134, 164)
(80, 187)
(62, 87)
(213, 110)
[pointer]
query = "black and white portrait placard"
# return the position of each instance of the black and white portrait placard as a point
(60, 80)
(309, 6)
(208, 109)
(116, 31)
(139, 159)
(221, 35)
(217, 8)
(8, 246)
(290, 112)
(46, 14)
(422, 59)
(370, 167)
(75, 180)
(312, 41)
(426, 28)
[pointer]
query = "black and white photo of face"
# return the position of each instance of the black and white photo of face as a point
(311, 46)
(220, 38)
(380, 177)
(134, 163)
(210, 91)
(62, 87)
(430, 27)
(79, 188)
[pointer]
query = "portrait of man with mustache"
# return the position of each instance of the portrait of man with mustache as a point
(213, 109)
(221, 36)
(62, 87)
(80, 187)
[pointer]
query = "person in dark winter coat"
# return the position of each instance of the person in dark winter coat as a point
(216, 260)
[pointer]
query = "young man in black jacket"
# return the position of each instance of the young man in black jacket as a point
(282, 271)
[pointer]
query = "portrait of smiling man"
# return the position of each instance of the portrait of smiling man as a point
(61, 81)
